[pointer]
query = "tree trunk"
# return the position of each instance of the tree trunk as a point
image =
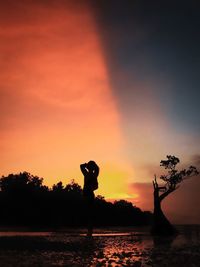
(161, 225)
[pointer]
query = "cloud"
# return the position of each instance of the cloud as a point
(145, 195)
(196, 160)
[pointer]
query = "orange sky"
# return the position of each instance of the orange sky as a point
(59, 109)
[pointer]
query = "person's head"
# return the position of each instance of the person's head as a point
(91, 165)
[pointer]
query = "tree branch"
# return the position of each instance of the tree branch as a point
(169, 191)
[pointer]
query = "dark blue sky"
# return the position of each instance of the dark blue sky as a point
(155, 46)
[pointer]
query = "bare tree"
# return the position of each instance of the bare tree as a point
(172, 181)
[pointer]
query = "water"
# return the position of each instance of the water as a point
(108, 247)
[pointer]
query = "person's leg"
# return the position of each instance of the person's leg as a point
(90, 214)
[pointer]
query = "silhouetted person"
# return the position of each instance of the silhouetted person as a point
(90, 171)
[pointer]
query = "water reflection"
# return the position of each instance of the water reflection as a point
(106, 248)
(108, 234)
(123, 250)
(17, 233)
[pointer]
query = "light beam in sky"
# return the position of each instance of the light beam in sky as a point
(57, 110)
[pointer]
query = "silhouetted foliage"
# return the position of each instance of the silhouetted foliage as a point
(174, 177)
(25, 201)
(172, 181)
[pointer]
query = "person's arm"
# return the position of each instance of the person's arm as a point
(83, 168)
(96, 170)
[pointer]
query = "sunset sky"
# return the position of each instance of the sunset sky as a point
(113, 81)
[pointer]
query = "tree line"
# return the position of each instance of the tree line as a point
(26, 201)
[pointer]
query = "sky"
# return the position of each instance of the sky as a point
(112, 81)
